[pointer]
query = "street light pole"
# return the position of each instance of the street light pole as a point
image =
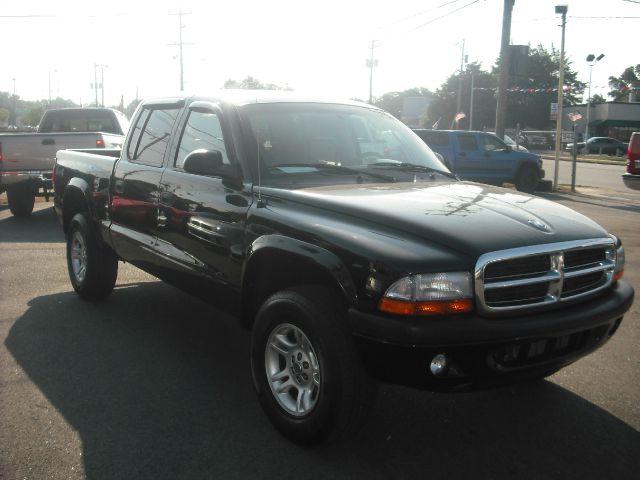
(561, 9)
(95, 81)
(459, 104)
(592, 60)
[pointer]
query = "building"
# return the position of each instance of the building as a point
(610, 119)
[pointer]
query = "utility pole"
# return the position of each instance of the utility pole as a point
(591, 61)
(503, 81)
(473, 77)
(180, 45)
(561, 9)
(459, 104)
(95, 81)
(102, 81)
(371, 62)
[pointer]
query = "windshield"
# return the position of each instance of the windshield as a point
(300, 144)
(508, 140)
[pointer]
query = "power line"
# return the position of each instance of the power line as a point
(432, 20)
(418, 14)
(445, 15)
(573, 16)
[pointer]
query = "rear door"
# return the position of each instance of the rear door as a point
(135, 184)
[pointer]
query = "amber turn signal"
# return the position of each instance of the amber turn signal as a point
(618, 275)
(440, 307)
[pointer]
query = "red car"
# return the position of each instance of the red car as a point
(632, 178)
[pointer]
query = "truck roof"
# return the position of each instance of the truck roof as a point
(244, 97)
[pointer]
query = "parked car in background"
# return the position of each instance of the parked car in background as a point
(632, 178)
(483, 157)
(26, 159)
(601, 145)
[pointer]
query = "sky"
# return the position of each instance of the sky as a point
(312, 47)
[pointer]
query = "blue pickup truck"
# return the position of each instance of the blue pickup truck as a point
(483, 157)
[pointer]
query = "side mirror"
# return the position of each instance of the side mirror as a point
(203, 162)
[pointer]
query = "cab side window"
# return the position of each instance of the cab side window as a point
(202, 131)
(490, 143)
(151, 134)
(467, 142)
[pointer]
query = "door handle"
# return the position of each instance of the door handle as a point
(162, 219)
(48, 141)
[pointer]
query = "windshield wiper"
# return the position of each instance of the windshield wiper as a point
(412, 167)
(329, 167)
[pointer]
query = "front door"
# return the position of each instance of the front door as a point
(202, 216)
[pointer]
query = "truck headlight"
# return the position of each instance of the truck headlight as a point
(619, 270)
(429, 294)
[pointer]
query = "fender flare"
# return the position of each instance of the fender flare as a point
(77, 187)
(320, 257)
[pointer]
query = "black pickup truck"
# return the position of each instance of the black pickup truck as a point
(351, 252)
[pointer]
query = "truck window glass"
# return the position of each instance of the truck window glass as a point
(467, 142)
(490, 143)
(202, 130)
(288, 137)
(79, 120)
(435, 138)
(154, 137)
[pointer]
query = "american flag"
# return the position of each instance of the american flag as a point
(574, 116)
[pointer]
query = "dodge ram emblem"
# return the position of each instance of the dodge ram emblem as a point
(539, 225)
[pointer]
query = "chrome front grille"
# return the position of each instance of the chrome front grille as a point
(543, 275)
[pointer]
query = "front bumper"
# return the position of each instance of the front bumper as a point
(486, 351)
(631, 181)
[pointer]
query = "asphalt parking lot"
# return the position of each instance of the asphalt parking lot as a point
(156, 384)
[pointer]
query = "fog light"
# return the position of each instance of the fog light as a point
(439, 364)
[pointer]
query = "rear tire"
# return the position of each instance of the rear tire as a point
(21, 199)
(527, 180)
(306, 372)
(93, 268)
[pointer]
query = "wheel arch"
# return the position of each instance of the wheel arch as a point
(276, 262)
(75, 200)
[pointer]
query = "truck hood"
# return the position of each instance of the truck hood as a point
(468, 217)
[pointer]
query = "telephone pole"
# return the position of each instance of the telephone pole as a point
(503, 81)
(181, 44)
(562, 10)
(371, 62)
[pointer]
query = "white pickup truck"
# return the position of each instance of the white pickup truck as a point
(26, 159)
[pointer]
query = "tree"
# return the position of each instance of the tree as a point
(251, 83)
(393, 102)
(33, 115)
(597, 98)
(531, 95)
(444, 107)
(622, 86)
(4, 114)
(131, 108)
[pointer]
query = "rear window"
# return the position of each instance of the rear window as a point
(434, 137)
(85, 120)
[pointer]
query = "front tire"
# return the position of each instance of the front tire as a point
(93, 268)
(307, 375)
(527, 180)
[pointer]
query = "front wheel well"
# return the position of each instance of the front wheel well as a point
(273, 271)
